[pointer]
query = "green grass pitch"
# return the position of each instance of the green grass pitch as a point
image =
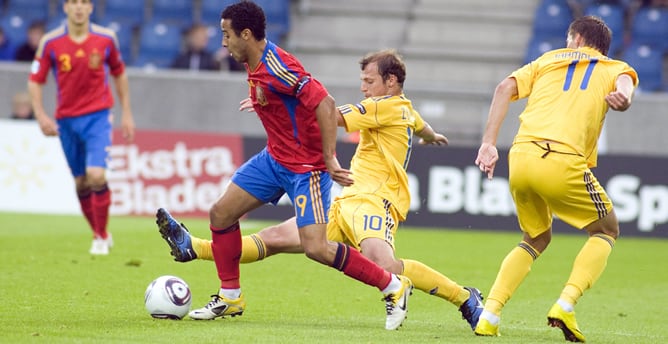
(53, 291)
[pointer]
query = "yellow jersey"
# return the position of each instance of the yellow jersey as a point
(566, 91)
(386, 125)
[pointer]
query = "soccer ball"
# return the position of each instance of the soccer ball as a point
(167, 297)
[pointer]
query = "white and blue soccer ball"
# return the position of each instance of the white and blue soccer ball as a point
(168, 297)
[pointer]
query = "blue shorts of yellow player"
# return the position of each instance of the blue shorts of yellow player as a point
(556, 182)
(355, 218)
(267, 180)
(86, 140)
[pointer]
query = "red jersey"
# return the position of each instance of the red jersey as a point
(82, 78)
(285, 97)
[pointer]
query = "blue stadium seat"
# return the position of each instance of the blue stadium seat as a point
(159, 42)
(30, 10)
(552, 18)
(7, 52)
(125, 35)
(613, 15)
(278, 18)
(650, 26)
(128, 12)
(540, 45)
(55, 21)
(178, 12)
(15, 28)
(648, 63)
(210, 10)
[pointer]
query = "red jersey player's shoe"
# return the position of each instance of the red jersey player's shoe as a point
(219, 306)
(558, 317)
(176, 235)
(396, 304)
(472, 308)
(100, 247)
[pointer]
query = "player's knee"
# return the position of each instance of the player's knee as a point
(315, 253)
(611, 227)
(270, 235)
(611, 230)
(274, 240)
(607, 225)
(388, 263)
(392, 265)
(218, 216)
(82, 185)
(614, 232)
(96, 181)
(311, 253)
(95, 175)
(539, 242)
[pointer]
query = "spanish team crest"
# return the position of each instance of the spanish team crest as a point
(260, 97)
(94, 60)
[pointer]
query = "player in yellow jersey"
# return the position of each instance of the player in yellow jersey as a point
(367, 213)
(569, 92)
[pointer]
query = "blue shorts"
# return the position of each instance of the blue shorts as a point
(86, 140)
(267, 180)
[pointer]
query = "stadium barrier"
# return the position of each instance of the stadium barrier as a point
(186, 172)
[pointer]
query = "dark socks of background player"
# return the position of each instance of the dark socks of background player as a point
(101, 204)
(95, 207)
(86, 202)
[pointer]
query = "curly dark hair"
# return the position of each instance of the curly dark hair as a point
(246, 15)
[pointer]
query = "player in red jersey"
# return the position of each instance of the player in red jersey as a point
(79, 53)
(300, 119)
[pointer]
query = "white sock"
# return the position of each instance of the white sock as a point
(565, 305)
(232, 294)
(490, 317)
(394, 285)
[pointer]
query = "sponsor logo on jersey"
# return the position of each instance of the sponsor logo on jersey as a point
(94, 60)
(260, 97)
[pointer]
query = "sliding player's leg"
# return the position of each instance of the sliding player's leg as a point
(370, 224)
(280, 238)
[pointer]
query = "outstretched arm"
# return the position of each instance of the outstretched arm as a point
(487, 153)
(429, 137)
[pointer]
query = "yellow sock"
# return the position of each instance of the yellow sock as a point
(514, 268)
(588, 266)
(252, 248)
(433, 282)
(202, 248)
